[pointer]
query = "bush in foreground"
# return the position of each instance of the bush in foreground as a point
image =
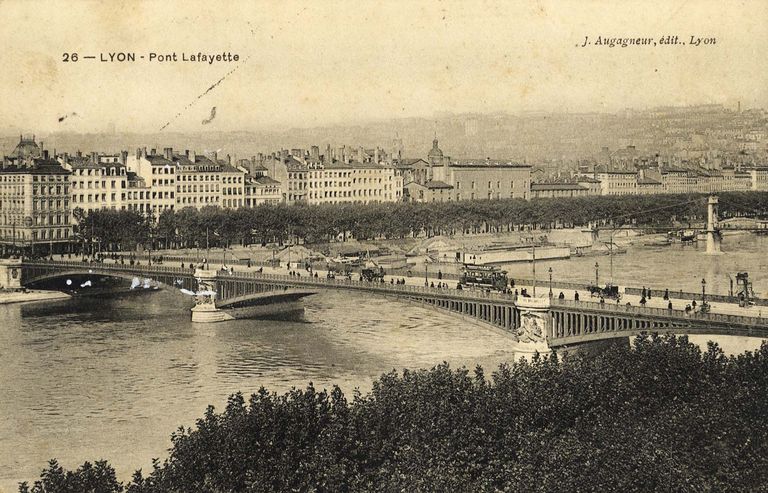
(662, 415)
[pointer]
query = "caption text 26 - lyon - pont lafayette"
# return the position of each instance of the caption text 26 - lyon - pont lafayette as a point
(131, 56)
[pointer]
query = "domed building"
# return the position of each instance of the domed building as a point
(27, 148)
(435, 156)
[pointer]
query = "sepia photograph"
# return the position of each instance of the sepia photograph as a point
(383, 246)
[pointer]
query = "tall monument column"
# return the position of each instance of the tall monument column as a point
(713, 235)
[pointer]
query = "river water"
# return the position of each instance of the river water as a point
(91, 379)
(674, 267)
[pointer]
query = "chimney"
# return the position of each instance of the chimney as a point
(315, 153)
(94, 157)
(45, 154)
(328, 156)
(154, 151)
(79, 153)
(124, 157)
(186, 153)
(192, 156)
(229, 159)
(284, 154)
(168, 152)
(376, 155)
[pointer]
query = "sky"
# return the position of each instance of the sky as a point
(318, 63)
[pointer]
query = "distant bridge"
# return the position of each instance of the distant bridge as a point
(548, 322)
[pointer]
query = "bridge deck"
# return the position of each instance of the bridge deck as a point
(572, 321)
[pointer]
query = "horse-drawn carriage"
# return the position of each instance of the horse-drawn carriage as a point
(610, 291)
(373, 275)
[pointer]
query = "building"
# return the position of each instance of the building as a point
(558, 190)
(198, 180)
(617, 182)
(261, 190)
(159, 172)
(431, 191)
(354, 181)
(97, 181)
(346, 177)
(232, 186)
(443, 179)
(34, 199)
(759, 178)
(137, 194)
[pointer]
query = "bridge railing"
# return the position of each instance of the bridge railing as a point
(148, 271)
(638, 311)
(384, 287)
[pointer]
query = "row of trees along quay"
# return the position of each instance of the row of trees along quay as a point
(662, 415)
(213, 226)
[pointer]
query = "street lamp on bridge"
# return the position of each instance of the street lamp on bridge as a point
(597, 274)
(533, 253)
(703, 291)
(550, 282)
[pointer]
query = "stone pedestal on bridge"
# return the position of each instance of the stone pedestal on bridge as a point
(205, 298)
(10, 274)
(535, 323)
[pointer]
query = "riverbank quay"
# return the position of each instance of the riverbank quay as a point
(29, 296)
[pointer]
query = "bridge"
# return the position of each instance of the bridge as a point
(545, 322)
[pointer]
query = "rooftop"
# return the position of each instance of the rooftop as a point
(487, 163)
(556, 186)
(437, 184)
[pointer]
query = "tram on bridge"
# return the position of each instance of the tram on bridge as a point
(484, 276)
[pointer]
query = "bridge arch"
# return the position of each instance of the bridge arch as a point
(34, 276)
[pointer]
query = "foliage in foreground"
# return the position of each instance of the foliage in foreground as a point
(662, 415)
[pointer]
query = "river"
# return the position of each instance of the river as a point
(672, 267)
(91, 379)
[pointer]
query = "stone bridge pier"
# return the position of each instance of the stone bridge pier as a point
(10, 274)
(535, 323)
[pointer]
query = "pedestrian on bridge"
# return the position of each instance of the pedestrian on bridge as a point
(669, 305)
(666, 294)
(643, 301)
(576, 296)
(561, 296)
